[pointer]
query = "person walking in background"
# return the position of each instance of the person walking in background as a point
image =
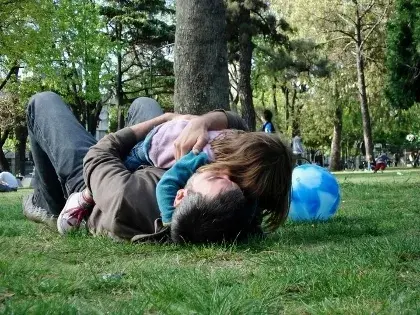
(381, 162)
(297, 148)
(268, 125)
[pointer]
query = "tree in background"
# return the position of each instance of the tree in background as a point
(403, 55)
(17, 35)
(291, 69)
(200, 65)
(248, 19)
(138, 30)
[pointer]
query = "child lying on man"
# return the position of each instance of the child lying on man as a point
(257, 165)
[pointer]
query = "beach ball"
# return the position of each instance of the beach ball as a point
(315, 194)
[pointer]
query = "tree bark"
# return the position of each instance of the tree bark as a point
(21, 134)
(295, 115)
(364, 107)
(274, 97)
(285, 91)
(245, 59)
(335, 164)
(119, 90)
(4, 164)
(200, 57)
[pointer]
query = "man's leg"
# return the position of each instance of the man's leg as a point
(143, 109)
(58, 144)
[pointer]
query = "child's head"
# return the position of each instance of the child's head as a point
(261, 164)
(211, 208)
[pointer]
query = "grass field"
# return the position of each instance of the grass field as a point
(366, 260)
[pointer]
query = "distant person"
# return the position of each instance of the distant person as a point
(9, 179)
(267, 119)
(415, 159)
(297, 146)
(381, 162)
(396, 159)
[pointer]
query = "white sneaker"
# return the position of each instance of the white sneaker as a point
(72, 214)
(37, 214)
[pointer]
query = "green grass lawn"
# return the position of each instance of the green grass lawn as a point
(366, 260)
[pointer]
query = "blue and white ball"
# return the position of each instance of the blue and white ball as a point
(315, 194)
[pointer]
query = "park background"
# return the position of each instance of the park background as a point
(344, 74)
(338, 72)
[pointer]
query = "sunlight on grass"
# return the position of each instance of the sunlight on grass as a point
(365, 260)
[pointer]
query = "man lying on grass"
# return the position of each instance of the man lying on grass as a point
(126, 206)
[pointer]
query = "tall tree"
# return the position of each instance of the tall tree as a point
(201, 68)
(355, 22)
(291, 68)
(139, 29)
(403, 55)
(248, 19)
(70, 58)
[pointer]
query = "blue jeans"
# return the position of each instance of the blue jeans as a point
(59, 143)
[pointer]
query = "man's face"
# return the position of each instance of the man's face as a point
(207, 183)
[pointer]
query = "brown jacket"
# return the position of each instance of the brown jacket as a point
(126, 203)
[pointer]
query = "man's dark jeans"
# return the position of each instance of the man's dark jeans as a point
(59, 143)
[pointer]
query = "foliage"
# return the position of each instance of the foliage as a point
(141, 30)
(403, 55)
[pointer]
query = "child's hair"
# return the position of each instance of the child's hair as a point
(226, 218)
(268, 115)
(261, 164)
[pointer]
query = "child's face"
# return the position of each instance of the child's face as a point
(211, 184)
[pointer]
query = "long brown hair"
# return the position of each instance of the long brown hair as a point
(261, 164)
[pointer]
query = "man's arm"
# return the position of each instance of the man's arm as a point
(142, 129)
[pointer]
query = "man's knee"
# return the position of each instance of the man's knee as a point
(41, 98)
(144, 108)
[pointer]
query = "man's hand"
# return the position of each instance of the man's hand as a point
(195, 134)
(193, 137)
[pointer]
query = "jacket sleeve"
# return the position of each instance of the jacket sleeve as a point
(174, 179)
(125, 201)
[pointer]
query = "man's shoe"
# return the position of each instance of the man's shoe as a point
(72, 214)
(38, 214)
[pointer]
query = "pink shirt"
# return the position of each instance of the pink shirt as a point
(162, 150)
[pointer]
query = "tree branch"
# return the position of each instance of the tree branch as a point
(8, 76)
(370, 6)
(346, 19)
(376, 25)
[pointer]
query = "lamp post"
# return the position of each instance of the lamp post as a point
(151, 65)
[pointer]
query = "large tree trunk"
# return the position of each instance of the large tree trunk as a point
(295, 114)
(200, 57)
(274, 97)
(119, 90)
(335, 164)
(4, 164)
(285, 91)
(21, 134)
(364, 107)
(245, 59)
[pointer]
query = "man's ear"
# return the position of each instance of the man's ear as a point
(179, 196)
